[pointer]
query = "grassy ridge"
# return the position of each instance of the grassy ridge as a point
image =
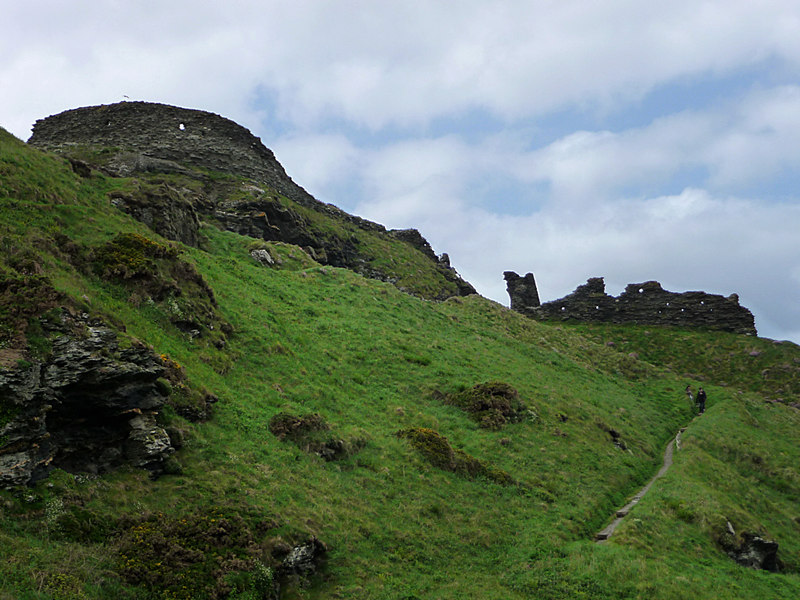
(372, 361)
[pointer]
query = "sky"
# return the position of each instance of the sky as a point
(628, 139)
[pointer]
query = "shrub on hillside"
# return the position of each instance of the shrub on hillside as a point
(312, 434)
(207, 554)
(436, 449)
(491, 404)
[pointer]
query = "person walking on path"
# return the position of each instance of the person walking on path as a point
(689, 393)
(701, 400)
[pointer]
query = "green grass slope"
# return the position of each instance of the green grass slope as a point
(371, 361)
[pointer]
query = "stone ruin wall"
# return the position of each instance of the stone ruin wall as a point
(159, 131)
(145, 134)
(641, 303)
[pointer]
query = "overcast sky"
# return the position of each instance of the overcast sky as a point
(628, 139)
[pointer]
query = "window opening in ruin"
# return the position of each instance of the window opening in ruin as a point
(641, 290)
(563, 308)
(181, 126)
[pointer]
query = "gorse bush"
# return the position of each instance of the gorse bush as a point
(200, 555)
(130, 255)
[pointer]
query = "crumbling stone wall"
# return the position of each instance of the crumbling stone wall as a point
(643, 303)
(522, 291)
(169, 133)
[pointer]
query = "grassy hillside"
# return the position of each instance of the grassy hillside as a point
(512, 515)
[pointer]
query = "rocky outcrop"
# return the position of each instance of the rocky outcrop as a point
(133, 138)
(641, 303)
(90, 407)
(522, 291)
(266, 217)
(303, 560)
(149, 132)
(749, 549)
(756, 552)
(167, 210)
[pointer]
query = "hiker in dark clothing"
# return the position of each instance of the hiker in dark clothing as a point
(701, 400)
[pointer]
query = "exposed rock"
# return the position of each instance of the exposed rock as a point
(262, 256)
(522, 291)
(756, 552)
(414, 237)
(268, 219)
(643, 303)
(141, 137)
(166, 210)
(168, 133)
(127, 164)
(89, 407)
(80, 167)
(303, 560)
(148, 443)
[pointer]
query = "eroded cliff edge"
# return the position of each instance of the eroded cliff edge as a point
(257, 199)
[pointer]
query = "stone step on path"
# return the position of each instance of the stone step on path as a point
(606, 533)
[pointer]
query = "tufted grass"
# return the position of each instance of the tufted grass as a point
(372, 361)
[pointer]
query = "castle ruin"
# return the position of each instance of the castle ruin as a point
(641, 303)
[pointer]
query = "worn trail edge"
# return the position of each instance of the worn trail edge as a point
(603, 535)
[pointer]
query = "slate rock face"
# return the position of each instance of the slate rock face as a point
(145, 137)
(757, 552)
(303, 560)
(522, 291)
(90, 407)
(642, 303)
(751, 550)
(152, 131)
(165, 209)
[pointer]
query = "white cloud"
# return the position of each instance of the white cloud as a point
(736, 143)
(378, 63)
(319, 162)
(358, 87)
(691, 240)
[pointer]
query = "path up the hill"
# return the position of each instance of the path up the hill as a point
(606, 533)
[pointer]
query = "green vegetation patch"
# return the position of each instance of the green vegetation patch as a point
(22, 298)
(436, 449)
(491, 404)
(206, 554)
(154, 275)
(768, 367)
(281, 255)
(314, 340)
(130, 256)
(311, 433)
